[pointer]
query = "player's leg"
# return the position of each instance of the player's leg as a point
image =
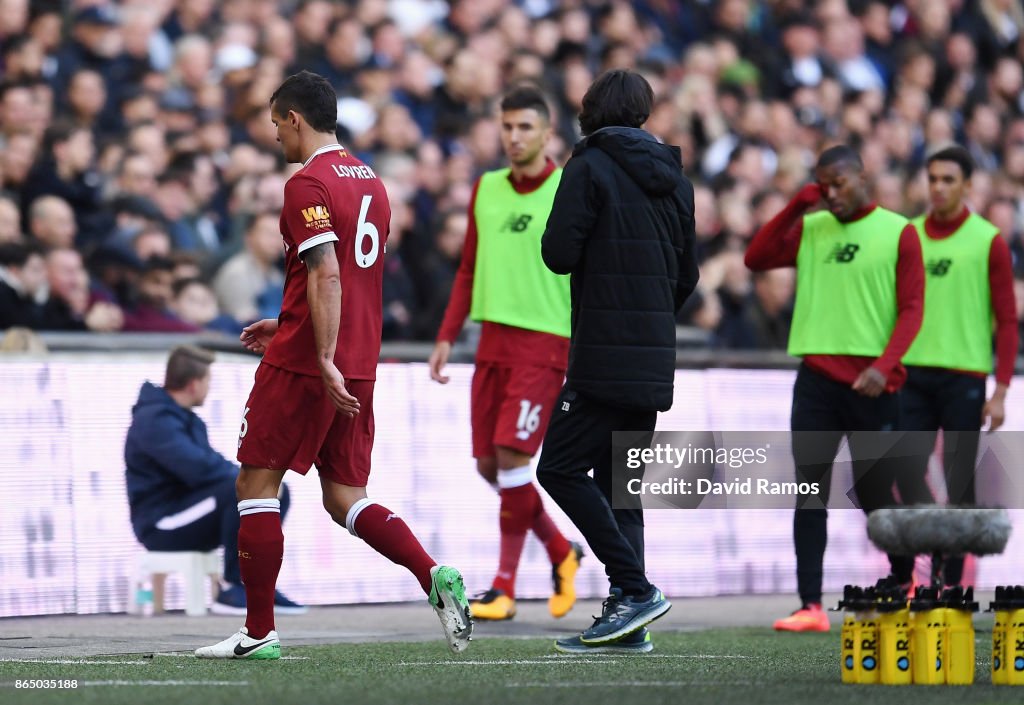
(498, 602)
(817, 431)
(344, 466)
(231, 597)
(260, 552)
(515, 515)
(961, 403)
(629, 515)
(874, 452)
(285, 419)
(919, 425)
(580, 434)
(528, 398)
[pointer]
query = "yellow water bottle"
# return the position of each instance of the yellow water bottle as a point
(867, 639)
(1001, 607)
(959, 645)
(893, 637)
(851, 604)
(1015, 639)
(927, 634)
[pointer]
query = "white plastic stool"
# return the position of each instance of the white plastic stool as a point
(193, 566)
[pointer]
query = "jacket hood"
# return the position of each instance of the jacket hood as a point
(654, 166)
(151, 395)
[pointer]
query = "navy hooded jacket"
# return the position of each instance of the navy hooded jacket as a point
(167, 456)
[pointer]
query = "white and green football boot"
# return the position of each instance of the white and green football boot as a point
(448, 598)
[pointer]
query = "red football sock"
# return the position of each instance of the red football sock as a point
(260, 551)
(386, 533)
(518, 506)
(554, 542)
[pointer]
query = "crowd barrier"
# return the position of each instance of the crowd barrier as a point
(66, 545)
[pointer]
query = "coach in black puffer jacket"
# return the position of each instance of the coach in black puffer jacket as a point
(622, 226)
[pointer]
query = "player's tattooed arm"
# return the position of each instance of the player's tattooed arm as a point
(314, 257)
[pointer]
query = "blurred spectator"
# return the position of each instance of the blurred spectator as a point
(184, 195)
(137, 175)
(769, 313)
(804, 64)
(186, 266)
(70, 297)
(398, 292)
(52, 222)
(16, 105)
(195, 303)
(439, 271)
(114, 270)
(251, 283)
(86, 99)
(65, 169)
(23, 291)
(16, 159)
(150, 241)
(97, 44)
(1002, 212)
(10, 220)
(151, 311)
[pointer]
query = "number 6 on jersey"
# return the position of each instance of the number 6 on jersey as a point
(366, 229)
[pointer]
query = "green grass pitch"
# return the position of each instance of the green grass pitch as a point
(746, 666)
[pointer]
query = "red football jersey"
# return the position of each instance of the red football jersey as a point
(336, 198)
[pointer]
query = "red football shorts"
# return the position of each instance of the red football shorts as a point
(510, 406)
(289, 423)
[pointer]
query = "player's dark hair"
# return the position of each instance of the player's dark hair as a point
(311, 96)
(954, 153)
(526, 96)
(617, 98)
(186, 363)
(840, 154)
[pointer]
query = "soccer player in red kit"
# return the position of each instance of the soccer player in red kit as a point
(312, 400)
(524, 345)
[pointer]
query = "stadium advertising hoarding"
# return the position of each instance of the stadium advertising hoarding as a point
(66, 544)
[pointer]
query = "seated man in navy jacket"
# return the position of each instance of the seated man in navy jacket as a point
(180, 490)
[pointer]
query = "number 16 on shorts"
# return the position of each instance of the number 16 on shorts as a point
(529, 419)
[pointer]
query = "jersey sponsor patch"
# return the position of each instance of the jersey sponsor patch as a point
(316, 217)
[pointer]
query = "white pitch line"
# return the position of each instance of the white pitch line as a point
(283, 658)
(175, 683)
(627, 684)
(646, 656)
(76, 662)
(502, 662)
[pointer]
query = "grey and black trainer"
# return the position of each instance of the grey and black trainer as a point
(639, 642)
(623, 615)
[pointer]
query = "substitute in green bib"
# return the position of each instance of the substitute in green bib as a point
(968, 295)
(524, 344)
(859, 294)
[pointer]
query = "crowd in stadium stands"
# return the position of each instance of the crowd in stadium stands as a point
(141, 182)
